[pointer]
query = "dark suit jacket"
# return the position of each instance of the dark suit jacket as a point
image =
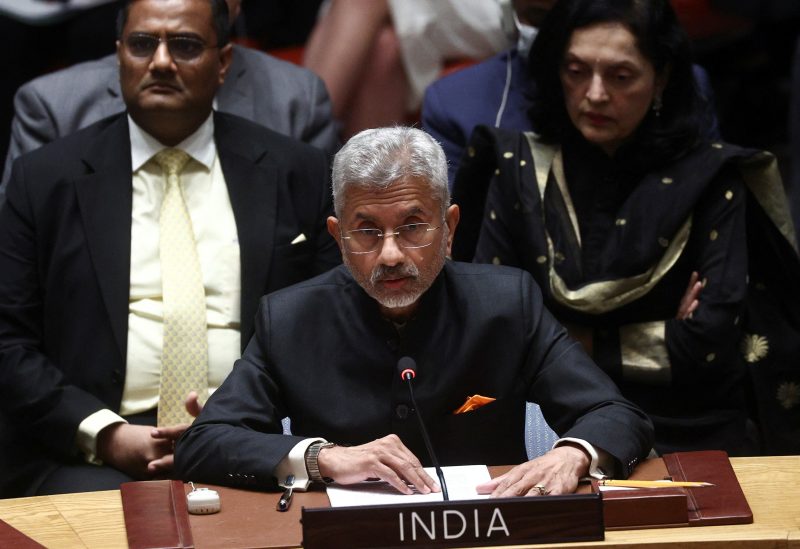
(323, 355)
(474, 96)
(65, 236)
(281, 96)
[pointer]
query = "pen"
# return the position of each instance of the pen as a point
(653, 483)
(286, 497)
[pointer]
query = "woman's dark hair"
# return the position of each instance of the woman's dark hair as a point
(661, 40)
(219, 14)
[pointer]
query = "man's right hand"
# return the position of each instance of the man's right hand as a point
(144, 451)
(130, 448)
(386, 459)
(163, 466)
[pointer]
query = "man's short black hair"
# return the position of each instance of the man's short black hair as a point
(219, 14)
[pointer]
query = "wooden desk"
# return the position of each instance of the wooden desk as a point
(89, 520)
(770, 483)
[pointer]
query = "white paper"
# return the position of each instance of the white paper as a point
(461, 483)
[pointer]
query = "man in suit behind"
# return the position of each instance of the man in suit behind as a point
(88, 276)
(492, 92)
(284, 97)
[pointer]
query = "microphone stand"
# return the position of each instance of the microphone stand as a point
(431, 453)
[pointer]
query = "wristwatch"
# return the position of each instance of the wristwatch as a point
(312, 466)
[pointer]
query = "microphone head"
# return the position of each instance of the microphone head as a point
(407, 367)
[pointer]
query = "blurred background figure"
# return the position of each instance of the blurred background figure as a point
(37, 45)
(494, 92)
(377, 56)
(271, 24)
(747, 47)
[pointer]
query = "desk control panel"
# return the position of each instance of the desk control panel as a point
(203, 501)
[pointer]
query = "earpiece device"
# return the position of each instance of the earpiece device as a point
(202, 501)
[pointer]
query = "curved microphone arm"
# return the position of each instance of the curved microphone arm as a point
(407, 368)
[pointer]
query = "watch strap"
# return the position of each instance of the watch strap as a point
(312, 463)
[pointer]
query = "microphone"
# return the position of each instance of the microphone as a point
(408, 371)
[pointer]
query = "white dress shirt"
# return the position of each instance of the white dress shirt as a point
(214, 226)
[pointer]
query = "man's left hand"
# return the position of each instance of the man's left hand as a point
(163, 465)
(557, 472)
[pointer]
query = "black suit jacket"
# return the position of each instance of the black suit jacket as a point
(323, 355)
(65, 236)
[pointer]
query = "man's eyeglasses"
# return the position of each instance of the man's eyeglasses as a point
(181, 48)
(413, 235)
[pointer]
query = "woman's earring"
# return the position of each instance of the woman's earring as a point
(657, 104)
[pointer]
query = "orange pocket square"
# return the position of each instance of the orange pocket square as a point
(473, 403)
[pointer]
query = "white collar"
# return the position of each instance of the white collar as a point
(200, 145)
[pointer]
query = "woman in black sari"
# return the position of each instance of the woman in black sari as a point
(637, 229)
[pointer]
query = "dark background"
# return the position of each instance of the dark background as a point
(747, 47)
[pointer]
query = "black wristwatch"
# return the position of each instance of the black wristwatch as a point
(312, 465)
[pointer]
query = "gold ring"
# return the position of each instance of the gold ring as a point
(541, 488)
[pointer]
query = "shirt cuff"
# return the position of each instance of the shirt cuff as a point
(86, 439)
(601, 461)
(295, 464)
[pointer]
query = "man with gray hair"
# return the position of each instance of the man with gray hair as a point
(325, 353)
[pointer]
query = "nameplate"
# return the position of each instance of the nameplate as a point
(506, 521)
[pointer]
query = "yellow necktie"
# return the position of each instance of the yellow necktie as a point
(184, 359)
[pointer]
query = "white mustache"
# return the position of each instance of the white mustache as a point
(382, 272)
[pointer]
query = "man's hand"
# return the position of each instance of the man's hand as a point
(142, 451)
(131, 448)
(558, 472)
(386, 458)
(163, 465)
(192, 404)
(690, 301)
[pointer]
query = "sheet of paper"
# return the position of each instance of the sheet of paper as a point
(461, 483)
